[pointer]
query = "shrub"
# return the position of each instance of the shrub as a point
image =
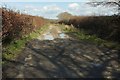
(105, 27)
(15, 25)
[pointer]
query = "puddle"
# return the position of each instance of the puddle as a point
(96, 64)
(48, 37)
(62, 35)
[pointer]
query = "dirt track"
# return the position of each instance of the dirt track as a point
(57, 55)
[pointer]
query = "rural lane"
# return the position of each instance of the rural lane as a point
(55, 54)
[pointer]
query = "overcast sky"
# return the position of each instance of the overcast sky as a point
(52, 9)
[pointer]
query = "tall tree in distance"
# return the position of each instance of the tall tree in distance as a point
(64, 16)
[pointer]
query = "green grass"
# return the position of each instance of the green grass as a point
(15, 47)
(80, 34)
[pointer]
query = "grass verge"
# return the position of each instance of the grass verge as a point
(14, 48)
(80, 34)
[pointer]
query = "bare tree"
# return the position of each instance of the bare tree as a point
(116, 3)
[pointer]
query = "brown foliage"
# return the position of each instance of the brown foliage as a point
(105, 27)
(15, 25)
